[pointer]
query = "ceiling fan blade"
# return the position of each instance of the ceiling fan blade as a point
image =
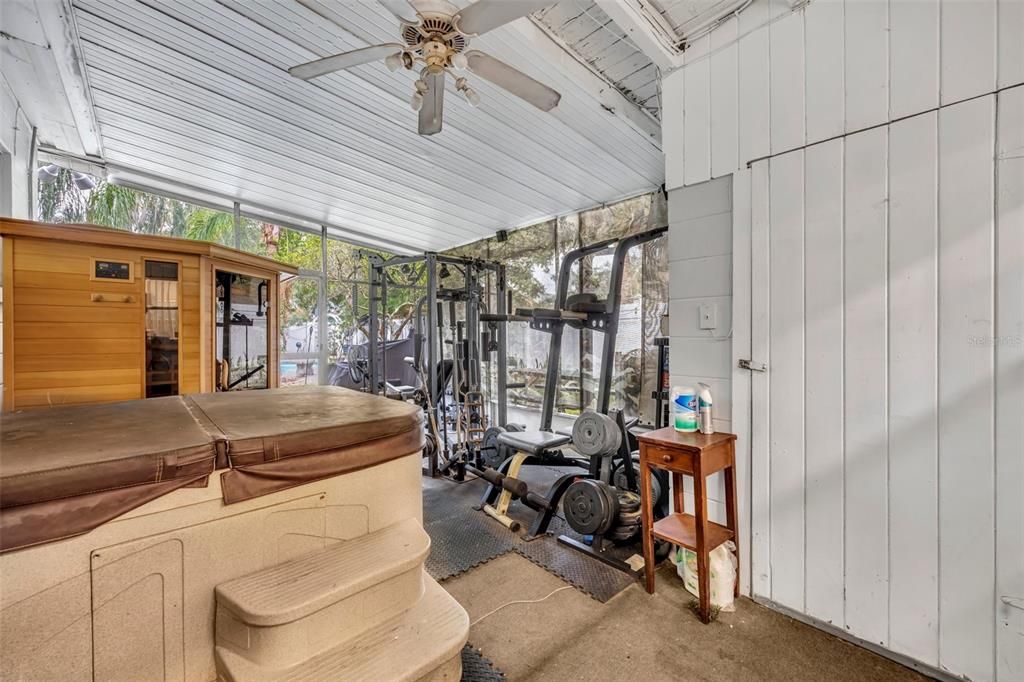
(433, 104)
(484, 15)
(344, 60)
(513, 80)
(401, 9)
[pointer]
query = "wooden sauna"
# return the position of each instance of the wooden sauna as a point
(92, 314)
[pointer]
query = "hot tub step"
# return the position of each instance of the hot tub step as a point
(285, 614)
(295, 589)
(423, 643)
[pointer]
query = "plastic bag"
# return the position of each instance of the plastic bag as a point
(722, 567)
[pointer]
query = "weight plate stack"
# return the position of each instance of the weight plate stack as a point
(595, 434)
(590, 507)
(628, 521)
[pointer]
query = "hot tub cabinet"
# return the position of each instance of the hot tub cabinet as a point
(262, 535)
(92, 314)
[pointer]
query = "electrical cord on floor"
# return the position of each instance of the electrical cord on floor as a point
(520, 601)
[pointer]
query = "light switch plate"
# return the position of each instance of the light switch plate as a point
(708, 315)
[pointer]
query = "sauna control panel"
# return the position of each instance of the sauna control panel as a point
(110, 269)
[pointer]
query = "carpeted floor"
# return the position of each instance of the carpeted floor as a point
(628, 635)
(636, 636)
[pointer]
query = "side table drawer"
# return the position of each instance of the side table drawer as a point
(673, 459)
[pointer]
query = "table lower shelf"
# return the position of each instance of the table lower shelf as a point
(681, 529)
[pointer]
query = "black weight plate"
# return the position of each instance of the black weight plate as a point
(586, 508)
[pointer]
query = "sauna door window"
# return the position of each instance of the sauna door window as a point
(161, 329)
(242, 334)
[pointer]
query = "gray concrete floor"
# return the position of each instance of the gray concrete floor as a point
(636, 636)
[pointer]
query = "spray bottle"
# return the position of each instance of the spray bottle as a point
(704, 406)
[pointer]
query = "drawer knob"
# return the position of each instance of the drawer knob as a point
(666, 458)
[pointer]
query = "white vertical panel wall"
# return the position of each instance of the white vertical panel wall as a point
(879, 149)
(827, 68)
(700, 272)
(888, 301)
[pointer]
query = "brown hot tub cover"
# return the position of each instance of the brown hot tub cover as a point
(67, 470)
(285, 437)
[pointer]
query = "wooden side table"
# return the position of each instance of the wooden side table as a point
(697, 455)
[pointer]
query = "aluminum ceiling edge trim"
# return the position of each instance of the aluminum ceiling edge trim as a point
(89, 165)
(84, 109)
(603, 204)
(127, 177)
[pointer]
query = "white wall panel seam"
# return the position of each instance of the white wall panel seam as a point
(888, 350)
(768, 356)
(803, 334)
(842, 342)
(994, 306)
(938, 368)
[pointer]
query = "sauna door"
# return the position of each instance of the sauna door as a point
(244, 326)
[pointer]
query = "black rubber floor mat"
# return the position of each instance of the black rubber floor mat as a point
(589, 575)
(460, 536)
(476, 668)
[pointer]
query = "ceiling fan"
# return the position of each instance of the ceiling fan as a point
(436, 34)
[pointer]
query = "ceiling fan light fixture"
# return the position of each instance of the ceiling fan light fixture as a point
(471, 95)
(82, 181)
(394, 61)
(47, 174)
(435, 35)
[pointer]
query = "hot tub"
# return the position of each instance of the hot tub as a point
(126, 528)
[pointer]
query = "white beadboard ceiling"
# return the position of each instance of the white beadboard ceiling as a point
(193, 96)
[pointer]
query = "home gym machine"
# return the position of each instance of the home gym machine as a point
(450, 342)
(602, 439)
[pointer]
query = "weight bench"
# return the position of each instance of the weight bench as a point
(505, 485)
